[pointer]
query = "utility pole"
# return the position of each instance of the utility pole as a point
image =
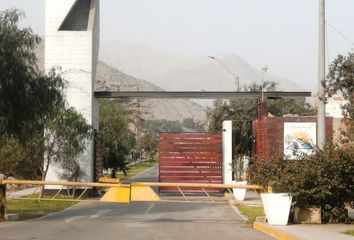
(264, 70)
(321, 123)
(237, 83)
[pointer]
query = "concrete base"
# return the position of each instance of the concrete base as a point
(307, 215)
(12, 217)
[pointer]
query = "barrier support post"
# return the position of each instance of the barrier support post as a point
(227, 152)
(2, 202)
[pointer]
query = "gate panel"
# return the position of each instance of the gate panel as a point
(190, 157)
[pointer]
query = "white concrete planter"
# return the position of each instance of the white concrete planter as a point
(239, 193)
(277, 207)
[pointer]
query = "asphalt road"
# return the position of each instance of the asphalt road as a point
(135, 221)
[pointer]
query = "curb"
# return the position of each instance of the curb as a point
(274, 232)
(244, 218)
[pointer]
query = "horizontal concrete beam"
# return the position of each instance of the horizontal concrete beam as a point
(201, 95)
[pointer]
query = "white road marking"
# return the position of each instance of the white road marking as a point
(149, 208)
(69, 220)
(137, 225)
(100, 213)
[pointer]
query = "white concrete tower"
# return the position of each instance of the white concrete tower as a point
(72, 43)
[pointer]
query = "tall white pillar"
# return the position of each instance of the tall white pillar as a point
(72, 43)
(227, 152)
(321, 126)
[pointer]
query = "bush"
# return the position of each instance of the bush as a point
(325, 179)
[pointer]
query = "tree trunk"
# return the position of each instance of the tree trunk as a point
(114, 173)
(2, 202)
(44, 175)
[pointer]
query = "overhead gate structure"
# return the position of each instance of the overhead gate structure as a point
(190, 157)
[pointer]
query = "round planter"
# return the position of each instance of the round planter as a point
(239, 193)
(277, 207)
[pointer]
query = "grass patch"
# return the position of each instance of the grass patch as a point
(34, 208)
(138, 168)
(251, 212)
(350, 232)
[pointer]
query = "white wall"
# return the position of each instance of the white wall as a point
(76, 53)
(334, 106)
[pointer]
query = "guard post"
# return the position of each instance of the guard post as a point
(2, 201)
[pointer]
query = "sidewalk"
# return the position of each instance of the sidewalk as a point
(301, 231)
(307, 231)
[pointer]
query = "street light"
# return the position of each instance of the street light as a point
(237, 79)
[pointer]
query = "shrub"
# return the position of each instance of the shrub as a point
(325, 179)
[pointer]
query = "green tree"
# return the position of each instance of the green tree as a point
(64, 138)
(25, 93)
(149, 142)
(27, 96)
(243, 112)
(340, 79)
(193, 125)
(118, 140)
(324, 179)
(12, 155)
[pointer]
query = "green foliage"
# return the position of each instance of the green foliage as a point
(267, 172)
(191, 124)
(251, 212)
(11, 156)
(350, 232)
(162, 125)
(239, 168)
(137, 168)
(25, 93)
(341, 76)
(340, 79)
(243, 112)
(118, 140)
(65, 137)
(34, 121)
(34, 208)
(324, 179)
(149, 142)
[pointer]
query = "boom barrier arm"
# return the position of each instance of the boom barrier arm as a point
(123, 193)
(198, 185)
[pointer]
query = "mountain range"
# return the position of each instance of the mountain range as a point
(111, 79)
(183, 72)
(129, 67)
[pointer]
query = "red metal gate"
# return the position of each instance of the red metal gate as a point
(190, 157)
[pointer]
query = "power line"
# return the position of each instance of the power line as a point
(340, 33)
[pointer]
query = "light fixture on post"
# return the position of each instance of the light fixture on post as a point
(237, 79)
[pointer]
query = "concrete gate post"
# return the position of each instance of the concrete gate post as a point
(72, 44)
(227, 152)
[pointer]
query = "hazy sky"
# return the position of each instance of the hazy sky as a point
(279, 33)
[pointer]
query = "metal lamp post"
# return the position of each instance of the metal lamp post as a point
(237, 79)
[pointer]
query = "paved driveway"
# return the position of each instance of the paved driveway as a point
(145, 221)
(135, 221)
